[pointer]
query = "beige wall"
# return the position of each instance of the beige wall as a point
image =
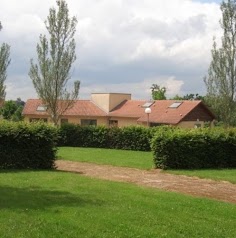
(104, 121)
(101, 100)
(77, 120)
(100, 120)
(28, 117)
(122, 121)
(72, 119)
(108, 101)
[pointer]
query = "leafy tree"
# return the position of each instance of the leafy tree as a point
(4, 62)
(221, 78)
(190, 96)
(55, 57)
(12, 111)
(19, 102)
(193, 96)
(176, 97)
(158, 93)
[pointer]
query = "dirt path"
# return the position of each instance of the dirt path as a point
(223, 191)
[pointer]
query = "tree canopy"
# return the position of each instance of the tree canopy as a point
(221, 78)
(12, 110)
(158, 93)
(56, 55)
(190, 96)
(4, 63)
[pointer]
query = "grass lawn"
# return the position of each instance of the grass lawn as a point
(59, 204)
(215, 174)
(136, 159)
(123, 158)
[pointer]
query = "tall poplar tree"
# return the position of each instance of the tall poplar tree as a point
(51, 73)
(221, 78)
(4, 62)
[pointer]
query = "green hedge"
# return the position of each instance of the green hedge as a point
(130, 138)
(127, 138)
(172, 147)
(24, 146)
(195, 148)
(78, 136)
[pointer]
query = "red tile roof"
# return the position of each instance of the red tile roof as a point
(80, 108)
(161, 113)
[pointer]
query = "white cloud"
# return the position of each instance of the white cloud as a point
(20, 86)
(140, 90)
(120, 43)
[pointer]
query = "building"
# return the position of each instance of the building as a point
(118, 109)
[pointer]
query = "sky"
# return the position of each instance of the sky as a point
(122, 46)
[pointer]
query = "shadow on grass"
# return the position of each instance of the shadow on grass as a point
(5, 171)
(40, 199)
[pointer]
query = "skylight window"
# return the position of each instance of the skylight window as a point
(175, 105)
(147, 104)
(42, 108)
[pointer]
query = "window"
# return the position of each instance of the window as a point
(147, 104)
(38, 119)
(88, 122)
(113, 123)
(42, 108)
(175, 105)
(64, 121)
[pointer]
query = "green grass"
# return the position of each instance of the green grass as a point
(123, 158)
(59, 204)
(215, 174)
(136, 159)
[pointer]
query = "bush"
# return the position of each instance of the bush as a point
(127, 138)
(172, 147)
(89, 136)
(195, 149)
(130, 138)
(24, 146)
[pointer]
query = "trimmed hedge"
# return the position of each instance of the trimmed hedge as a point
(24, 146)
(130, 138)
(78, 136)
(195, 148)
(127, 138)
(172, 147)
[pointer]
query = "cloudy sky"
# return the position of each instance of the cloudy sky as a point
(122, 45)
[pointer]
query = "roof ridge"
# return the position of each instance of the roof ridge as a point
(98, 107)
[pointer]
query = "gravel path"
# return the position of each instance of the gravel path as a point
(219, 190)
